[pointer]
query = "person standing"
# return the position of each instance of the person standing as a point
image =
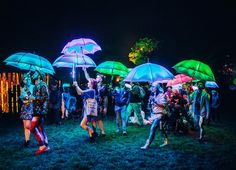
(134, 103)
(121, 96)
(201, 108)
(26, 112)
(40, 109)
(54, 102)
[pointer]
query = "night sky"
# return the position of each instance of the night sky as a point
(186, 30)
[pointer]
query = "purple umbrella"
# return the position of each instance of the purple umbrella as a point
(81, 46)
(74, 60)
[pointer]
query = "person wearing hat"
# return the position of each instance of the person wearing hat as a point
(201, 108)
(40, 108)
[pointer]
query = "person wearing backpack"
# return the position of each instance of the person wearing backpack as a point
(134, 103)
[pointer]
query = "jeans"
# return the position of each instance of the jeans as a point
(158, 122)
(120, 113)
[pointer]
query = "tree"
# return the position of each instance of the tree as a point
(142, 49)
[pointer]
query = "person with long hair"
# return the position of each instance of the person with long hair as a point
(40, 109)
(26, 112)
(89, 107)
(158, 102)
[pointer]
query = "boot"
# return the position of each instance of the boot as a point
(164, 143)
(146, 146)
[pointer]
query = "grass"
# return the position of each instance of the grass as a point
(71, 150)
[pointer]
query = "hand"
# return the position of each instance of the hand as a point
(84, 68)
(75, 83)
(104, 111)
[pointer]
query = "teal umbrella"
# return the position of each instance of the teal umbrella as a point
(29, 61)
(112, 68)
(196, 69)
(149, 72)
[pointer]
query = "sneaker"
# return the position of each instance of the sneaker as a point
(26, 143)
(117, 130)
(124, 133)
(39, 151)
(165, 143)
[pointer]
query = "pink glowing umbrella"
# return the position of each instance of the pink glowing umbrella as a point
(179, 79)
(81, 46)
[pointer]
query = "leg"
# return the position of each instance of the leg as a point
(27, 129)
(100, 124)
(42, 131)
(137, 112)
(34, 130)
(129, 111)
(123, 117)
(118, 112)
(202, 131)
(164, 134)
(83, 125)
(155, 125)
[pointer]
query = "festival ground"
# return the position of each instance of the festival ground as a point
(70, 148)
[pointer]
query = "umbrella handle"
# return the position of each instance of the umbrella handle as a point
(73, 72)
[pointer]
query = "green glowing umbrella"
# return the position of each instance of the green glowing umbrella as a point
(29, 61)
(196, 69)
(112, 68)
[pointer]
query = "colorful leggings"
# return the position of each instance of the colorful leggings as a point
(38, 131)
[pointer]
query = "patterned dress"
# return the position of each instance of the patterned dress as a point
(26, 112)
(41, 95)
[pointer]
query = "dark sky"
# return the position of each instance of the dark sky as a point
(192, 29)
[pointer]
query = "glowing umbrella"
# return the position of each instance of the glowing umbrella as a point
(180, 79)
(194, 68)
(211, 84)
(72, 61)
(112, 68)
(81, 46)
(29, 61)
(149, 72)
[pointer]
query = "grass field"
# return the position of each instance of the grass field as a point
(70, 148)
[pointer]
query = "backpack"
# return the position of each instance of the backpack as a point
(142, 92)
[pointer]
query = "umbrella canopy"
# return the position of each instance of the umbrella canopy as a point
(179, 79)
(194, 68)
(74, 60)
(81, 46)
(149, 72)
(211, 84)
(112, 68)
(29, 61)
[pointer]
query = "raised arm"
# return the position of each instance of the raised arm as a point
(86, 73)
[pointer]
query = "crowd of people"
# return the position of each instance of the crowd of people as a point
(163, 108)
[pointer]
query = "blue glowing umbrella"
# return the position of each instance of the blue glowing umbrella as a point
(29, 61)
(211, 84)
(81, 46)
(74, 60)
(149, 72)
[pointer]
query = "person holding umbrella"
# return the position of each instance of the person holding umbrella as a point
(89, 107)
(26, 112)
(102, 98)
(200, 107)
(40, 108)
